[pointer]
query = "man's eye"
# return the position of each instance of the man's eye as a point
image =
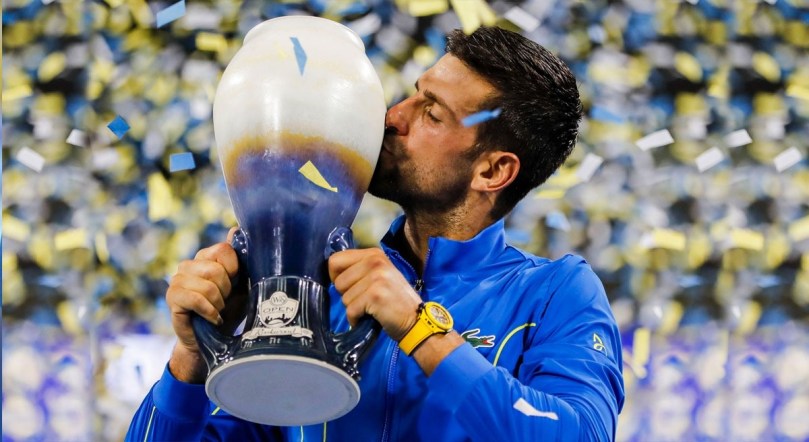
(428, 110)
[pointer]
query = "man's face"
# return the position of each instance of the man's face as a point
(425, 161)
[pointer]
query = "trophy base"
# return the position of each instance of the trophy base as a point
(282, 390)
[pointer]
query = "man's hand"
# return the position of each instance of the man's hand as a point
(371, 285)
(201, 285)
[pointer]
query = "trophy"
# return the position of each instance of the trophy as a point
(298, 119)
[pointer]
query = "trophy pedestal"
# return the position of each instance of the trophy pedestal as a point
(282, 390)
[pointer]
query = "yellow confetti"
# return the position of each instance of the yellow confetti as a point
(312, 174)
(748, 321)
(766, 66)
(141, 13)
(550, 194)
(161, 201)
(207, 41)
(102, 251)
(114, 3)
(17, 92)
(746, 239)
(672, 315)
(641, 350)
(798, 231)
(52, 66)
(668, 239)
(9, 262)
(473, 14)
(689, 66)
(793, 90)
(15, 228)
(70, 239)
(425, 55)
(423, 8)
(68, 316)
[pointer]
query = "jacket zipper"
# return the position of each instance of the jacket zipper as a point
(418, 286)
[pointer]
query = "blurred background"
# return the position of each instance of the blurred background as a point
(688, 193)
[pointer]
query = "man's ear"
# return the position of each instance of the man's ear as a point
(494, 171)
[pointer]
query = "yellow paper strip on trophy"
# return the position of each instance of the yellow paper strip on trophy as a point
(423, 8)
(747, 239)
(311, 173)
(52, 66)
(102, 251)
(798, 231)
(207, 41)
(668, 239)
(641, 350)
(70, 239)
(15, 228)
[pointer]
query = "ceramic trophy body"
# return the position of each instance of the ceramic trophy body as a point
(299, 120)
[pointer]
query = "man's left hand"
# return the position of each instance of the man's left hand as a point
(371, 285)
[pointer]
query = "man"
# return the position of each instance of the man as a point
(535, 352)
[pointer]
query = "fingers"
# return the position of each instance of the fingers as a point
(206, 277)
(232, 233)
(222, 253)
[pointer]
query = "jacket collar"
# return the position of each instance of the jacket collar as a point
(450, 256)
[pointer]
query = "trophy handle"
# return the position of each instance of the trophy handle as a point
(352, 345)
(213, 344)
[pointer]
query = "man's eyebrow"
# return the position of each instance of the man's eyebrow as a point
(438, 100)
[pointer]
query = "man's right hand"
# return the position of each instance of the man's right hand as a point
(202, 286)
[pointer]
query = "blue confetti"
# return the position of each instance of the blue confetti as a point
(181, 161)
(171, 13)
(300, 55)
(119, 127)
(480, 117)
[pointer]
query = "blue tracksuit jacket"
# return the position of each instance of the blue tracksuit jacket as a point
(542, 361)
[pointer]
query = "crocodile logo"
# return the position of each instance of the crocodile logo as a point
(471, 336)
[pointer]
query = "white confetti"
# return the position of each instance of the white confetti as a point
(655, 139)
(31, 159)
(738, 138)
(78, 138)
(787, 159)
(709, 158)
(521, 18)
(527, 409)
(367, 25)
(588, 167)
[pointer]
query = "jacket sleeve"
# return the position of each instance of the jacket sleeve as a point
(178, 411)
(569, 386)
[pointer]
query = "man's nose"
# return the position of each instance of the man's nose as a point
(396, 118)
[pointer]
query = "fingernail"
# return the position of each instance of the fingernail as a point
(219, 320)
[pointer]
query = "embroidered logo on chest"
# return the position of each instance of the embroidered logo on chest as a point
(471, 336)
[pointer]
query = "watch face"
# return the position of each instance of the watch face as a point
(439, 315)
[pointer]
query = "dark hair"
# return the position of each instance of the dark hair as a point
(538, 99)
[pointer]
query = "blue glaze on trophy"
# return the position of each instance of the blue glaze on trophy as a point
(298, 119)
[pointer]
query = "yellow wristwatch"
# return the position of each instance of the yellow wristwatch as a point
(433, 319)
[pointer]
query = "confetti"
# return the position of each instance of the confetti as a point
(473, 14)
(798, 230)
(311, 173)
(557, 220)
(746, 239)
(423, 8)
(207, 41)
(663, 239)
(655, 139)
(70, 239)
(78, 138)
(480, 117)
(737, 138)
(588, 167)
(31, 159)
(641, 343)
(527, 409)
(119, 127)
(171, 13)
(15, 228)
(181, 161)
(709, 159)
(300, 55)
(787, 159)
(521, 18)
